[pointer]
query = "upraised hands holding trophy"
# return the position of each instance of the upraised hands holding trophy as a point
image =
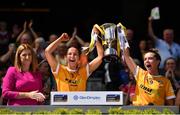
(113, 39)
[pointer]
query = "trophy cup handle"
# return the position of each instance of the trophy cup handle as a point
(94, 36)
(122, 41)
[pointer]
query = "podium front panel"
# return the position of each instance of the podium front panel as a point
(87, 98)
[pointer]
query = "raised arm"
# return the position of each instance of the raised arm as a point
(22, 32)
(74, 35)
(129, 61)
(72, 39)
(80, 40)
(96, 62)
(32, 30)
(150, 29)
(51, 48)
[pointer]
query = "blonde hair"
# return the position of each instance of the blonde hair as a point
(17, 62)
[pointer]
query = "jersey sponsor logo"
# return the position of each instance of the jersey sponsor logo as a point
(146, 89)
(72, 82)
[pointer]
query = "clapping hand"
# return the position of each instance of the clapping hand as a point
(169, 73)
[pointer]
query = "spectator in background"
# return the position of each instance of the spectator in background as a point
(166, 46)
(129, 89)
(48, 80)
(16, 30)
(22, 84)
(170, 73)
(52, 38)
(151, 87)
(28, 35)
(143, 50)
(7, 59)
(5, 37)
(72, 77)
(133, 43)
(39, 47)
(143, 47)
(150, 44)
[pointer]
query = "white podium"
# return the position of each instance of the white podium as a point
(87, 98)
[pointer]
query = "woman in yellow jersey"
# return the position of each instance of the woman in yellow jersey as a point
(151, 88)
(72, 77)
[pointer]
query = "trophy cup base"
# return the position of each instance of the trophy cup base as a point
(110, 55)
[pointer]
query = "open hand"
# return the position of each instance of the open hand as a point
(38, 96)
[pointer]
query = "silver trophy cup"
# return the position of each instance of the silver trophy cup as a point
(110, 33)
